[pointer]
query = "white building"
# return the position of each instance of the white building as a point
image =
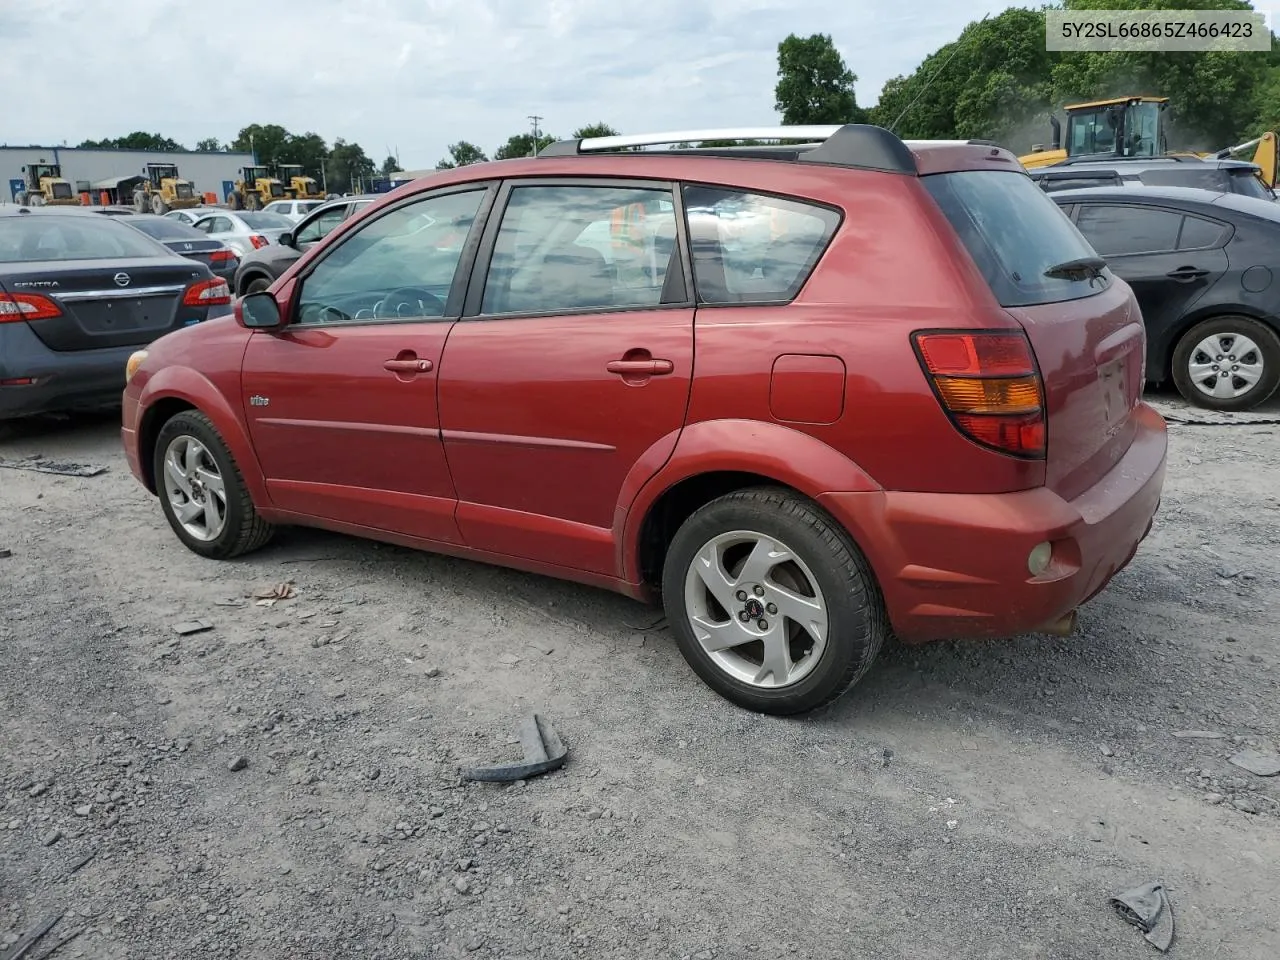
(210, 172)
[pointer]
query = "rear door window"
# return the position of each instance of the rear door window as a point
(1198, 233)
(752, 248)
(1014, 232)
(1117, 230)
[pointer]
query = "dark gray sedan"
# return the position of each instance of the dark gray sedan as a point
(79, 293)
(187, 241)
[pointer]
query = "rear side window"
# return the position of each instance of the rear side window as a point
(1116, 230)
(1014, 233)
(1246, 182)
(750, 248)
(1198, 233)
(24, 239)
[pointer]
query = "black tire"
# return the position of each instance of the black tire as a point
(1268, 352)
(257, 285)
(234, 200)
(856, 622)
(244, 531)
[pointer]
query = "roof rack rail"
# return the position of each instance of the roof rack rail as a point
(858, 145)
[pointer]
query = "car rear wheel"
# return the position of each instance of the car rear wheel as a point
(257, 285)
(203, 496)
(771, 602)
(1227, 363)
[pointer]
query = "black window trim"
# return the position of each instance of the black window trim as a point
(461, 275)
(1227, 232)
(472, 310)
(769, 195)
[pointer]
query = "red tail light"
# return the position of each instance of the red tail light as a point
(258, 241)
(221, 256)
(989, 385)
(208, 293)
(16, 307)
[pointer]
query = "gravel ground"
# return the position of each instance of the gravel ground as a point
(284, 785)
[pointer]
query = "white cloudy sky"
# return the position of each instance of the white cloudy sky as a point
(419, 74)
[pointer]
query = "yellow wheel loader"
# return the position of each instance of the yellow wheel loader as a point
(163, 190)
(254, 190)
(1124, 127)
(43, 186)
(298, 186)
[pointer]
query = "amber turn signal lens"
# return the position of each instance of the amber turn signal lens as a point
(135, 361)
(1013, 395)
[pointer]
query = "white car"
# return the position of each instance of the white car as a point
(294, 210)
(243, 230)
(191, 214)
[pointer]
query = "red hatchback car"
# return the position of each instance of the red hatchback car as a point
(806, 395)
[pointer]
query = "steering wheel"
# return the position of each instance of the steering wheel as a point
(409, 302)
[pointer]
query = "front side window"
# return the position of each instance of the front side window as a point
(566, 248)
(750, 248)
(389, 268)
(1116, 230)
(319, 228)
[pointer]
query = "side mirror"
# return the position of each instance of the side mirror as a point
(286, 239)
(259, 311)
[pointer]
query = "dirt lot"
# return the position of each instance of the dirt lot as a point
(966, 801)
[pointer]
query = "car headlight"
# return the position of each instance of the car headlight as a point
(135, 361)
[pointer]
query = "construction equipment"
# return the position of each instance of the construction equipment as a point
(163, 190)
(1127, 127)
(255, 189)
(44, 186)
(297, 185)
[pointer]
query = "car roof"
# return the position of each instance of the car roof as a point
(1188, 197)
(20, 211)
(1139, 164)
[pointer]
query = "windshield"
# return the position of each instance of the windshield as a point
(266, 221)
(25, 239)
(164, 228)
(1014, 233)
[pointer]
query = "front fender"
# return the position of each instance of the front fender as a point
(782, 454)
(184, 383)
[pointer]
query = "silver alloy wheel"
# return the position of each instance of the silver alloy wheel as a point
(756, 609)
(1225, 365)
(194, 486)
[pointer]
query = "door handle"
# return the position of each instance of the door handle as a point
(1187, 273)
(407, 366)
(641, 368)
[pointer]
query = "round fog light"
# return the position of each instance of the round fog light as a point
(1039, 558)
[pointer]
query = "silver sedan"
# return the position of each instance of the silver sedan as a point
(242, 230)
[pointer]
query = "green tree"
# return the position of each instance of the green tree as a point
(138, 140)
(208, 145)
(268, 141)
(462, 154)
(815, 86)
(308, 149)
(348, 167)
(521, 145)
(390, 165)
(598, 129)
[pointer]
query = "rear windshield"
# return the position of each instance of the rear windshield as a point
(30, 238)
(266, 221)
(163, 228)
(1014, 233)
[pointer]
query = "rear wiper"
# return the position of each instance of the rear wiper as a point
(1083, 268)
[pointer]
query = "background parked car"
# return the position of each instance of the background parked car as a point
(1203, 266)
(1224, 176)
(259, 268)
(78, 294)
(243, 230)
(115, 210)
(189, 242)
(293, 210)
(191, 214)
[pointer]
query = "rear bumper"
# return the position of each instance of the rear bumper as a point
(62, 381)
(955, 565)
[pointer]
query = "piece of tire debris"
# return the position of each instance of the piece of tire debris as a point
(26, 943)
(543, 752)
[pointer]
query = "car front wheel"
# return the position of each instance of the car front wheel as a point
(1227, 363)
(771, 602)
(202, 493)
